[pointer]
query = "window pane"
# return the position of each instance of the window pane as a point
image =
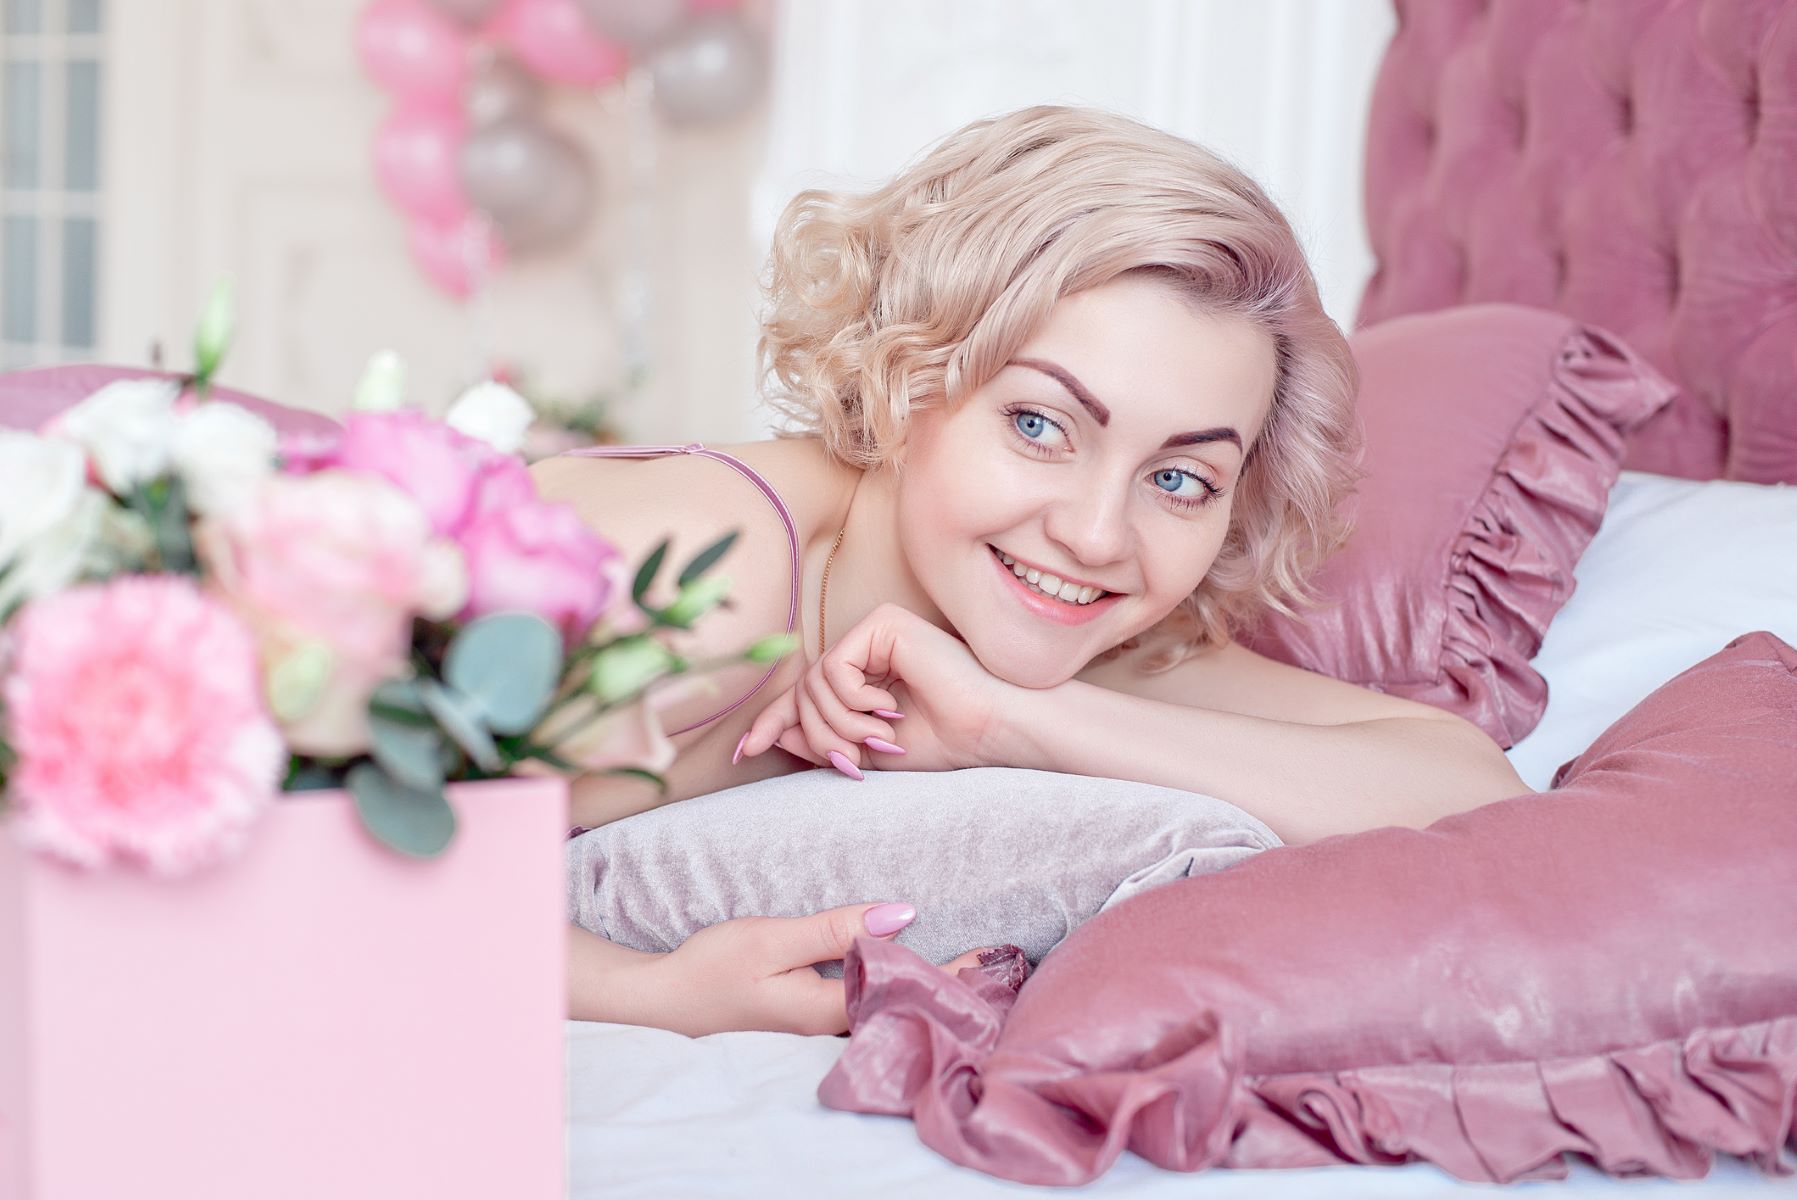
(84, 16)
(24, 16)
(78, 235)
(18, 290)
(81, 170)
(23, 81)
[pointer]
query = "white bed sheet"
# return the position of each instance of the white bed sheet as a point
(1678, 569)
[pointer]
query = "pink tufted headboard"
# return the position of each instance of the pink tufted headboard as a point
(1632, 163)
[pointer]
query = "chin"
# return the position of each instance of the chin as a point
(1024, 666)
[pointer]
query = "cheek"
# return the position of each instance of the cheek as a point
(1181, 559)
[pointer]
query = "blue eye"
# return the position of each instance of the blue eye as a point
(1031, 425)
(1169, 480)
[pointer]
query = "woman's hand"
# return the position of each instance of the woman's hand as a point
(755, 973)
(844, 711)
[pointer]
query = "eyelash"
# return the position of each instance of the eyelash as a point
(1211, 492)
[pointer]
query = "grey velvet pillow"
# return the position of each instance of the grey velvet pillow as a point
(988, 855)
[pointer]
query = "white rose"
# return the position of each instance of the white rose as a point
(494, 413)
(126, 428)
(49, 517)
(223, 453)
(383, 383)
(40, 481)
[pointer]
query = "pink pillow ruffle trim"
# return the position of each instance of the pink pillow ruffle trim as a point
(924, 1047)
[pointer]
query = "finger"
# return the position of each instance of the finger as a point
(853, 684)
(793, 742)
(822, 738)
(827, 935)
(849, 723)
(765, 730)
(807, 1003)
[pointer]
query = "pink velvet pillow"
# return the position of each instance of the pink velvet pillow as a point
(1607, 969)
(1493, 435)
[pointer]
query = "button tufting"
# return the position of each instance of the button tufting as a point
(1627, 115)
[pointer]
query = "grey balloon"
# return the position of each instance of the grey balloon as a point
(713, 68)
(499, 88)
(535, 183)
(466, 12)
(636, 24)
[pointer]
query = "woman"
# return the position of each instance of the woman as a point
(1066, 411)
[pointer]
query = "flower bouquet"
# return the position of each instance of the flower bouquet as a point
(332, 683)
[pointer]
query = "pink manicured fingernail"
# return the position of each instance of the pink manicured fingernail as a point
(739, 749)
(841, 762)
(882, 745)
(883, 919)
(888, 714)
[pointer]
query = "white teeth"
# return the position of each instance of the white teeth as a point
(1050, 585)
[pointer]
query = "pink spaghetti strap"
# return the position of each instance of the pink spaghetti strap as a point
(773, 498)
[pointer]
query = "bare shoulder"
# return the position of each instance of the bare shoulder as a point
(1233, 678)
(692, 500)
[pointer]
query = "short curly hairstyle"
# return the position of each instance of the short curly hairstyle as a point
(881, 304)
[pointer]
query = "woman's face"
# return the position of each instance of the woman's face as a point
(1105, 457)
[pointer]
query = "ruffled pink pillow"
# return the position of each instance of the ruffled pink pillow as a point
(1493, 435)
(1608, 969)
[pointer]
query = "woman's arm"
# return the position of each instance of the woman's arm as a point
(1305, 781)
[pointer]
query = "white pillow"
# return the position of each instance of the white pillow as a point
(1678, 569)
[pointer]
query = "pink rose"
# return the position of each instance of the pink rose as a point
(135, 709)
(329, 570)
(537, 557)
(443, 470)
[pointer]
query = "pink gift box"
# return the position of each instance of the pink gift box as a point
(318, 1017)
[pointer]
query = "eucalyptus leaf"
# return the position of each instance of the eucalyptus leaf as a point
(173, 531)
(412, 821)
(460, 717)
(410, 753)
(303, 776)
(645, 574)
(703, 560)
(400, 697)
(508, 664)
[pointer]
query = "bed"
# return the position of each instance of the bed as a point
(1614, 161)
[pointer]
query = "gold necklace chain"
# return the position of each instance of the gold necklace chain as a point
(823, 591)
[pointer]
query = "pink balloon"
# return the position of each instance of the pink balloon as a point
(415, 156)
(458, 256)
(554, 40)
(410, 48)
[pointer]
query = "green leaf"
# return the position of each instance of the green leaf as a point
(661, 785)
(303, 776)
(172, 529)
(400, 700)
(460, 717)
(411, 820)
(703, 560)
(508, 664)
(412, 754)
(645, 574)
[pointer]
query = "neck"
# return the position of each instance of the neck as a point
(871, 568)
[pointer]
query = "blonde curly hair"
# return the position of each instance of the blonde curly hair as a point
(882, 304)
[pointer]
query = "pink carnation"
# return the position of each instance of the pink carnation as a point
(135, 709)
(542, 558)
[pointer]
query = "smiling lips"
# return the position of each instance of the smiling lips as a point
(1068, 604)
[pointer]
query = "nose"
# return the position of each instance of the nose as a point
(1091, 524)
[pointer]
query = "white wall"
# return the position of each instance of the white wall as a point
(238, 134)
(1278, 86)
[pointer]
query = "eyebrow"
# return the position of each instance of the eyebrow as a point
(1101, 414)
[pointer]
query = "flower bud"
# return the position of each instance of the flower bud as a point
(697, 598)
(626, 667)
(772, 648)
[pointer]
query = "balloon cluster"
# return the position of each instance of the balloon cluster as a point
(465, 151)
